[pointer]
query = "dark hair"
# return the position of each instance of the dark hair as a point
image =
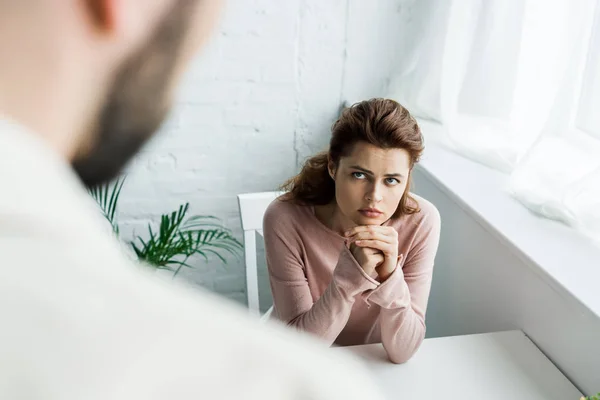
(381, 122)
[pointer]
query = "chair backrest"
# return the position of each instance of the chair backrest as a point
(252, 209)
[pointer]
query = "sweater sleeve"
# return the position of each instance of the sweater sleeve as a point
(293, 301)
(403, 296)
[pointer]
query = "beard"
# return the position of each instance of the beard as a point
(138, 101)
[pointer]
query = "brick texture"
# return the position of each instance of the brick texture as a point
(257, 102)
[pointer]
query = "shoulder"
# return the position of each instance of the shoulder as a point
(282, 213)
(160, 322)
(424, 222)
(428, 214)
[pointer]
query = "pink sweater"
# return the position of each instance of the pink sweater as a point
(318, 286)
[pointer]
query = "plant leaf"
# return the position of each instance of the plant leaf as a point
(102, 193)
(179, 237)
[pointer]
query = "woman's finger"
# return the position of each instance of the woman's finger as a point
(371, 236)
(385, 230)
(384, 247)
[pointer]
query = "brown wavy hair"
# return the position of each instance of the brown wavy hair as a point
(380, 122)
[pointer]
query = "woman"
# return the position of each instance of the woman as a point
(349, 249)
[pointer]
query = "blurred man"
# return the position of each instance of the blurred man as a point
(83, 84)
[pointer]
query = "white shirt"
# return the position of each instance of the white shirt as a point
(80, 321)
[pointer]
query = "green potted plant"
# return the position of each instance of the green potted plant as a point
(178, 237)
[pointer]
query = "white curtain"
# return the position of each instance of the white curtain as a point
(516, 85)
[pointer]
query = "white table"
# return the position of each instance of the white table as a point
(490, 366)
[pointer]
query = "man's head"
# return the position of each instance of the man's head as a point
(113, 65)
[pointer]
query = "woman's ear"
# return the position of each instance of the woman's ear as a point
(331, 168)
(102, 13)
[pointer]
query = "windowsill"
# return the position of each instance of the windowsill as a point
(558, 254)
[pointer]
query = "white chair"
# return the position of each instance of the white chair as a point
(252, 208)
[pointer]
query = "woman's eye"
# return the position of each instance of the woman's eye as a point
(392, 181)
(358, 175)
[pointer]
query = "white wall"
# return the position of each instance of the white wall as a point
(482, 285)
(257, 102)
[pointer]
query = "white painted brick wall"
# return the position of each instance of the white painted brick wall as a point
(259, 100)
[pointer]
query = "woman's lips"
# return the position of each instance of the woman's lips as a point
(370, 212)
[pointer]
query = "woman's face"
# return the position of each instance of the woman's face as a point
(370, 182)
